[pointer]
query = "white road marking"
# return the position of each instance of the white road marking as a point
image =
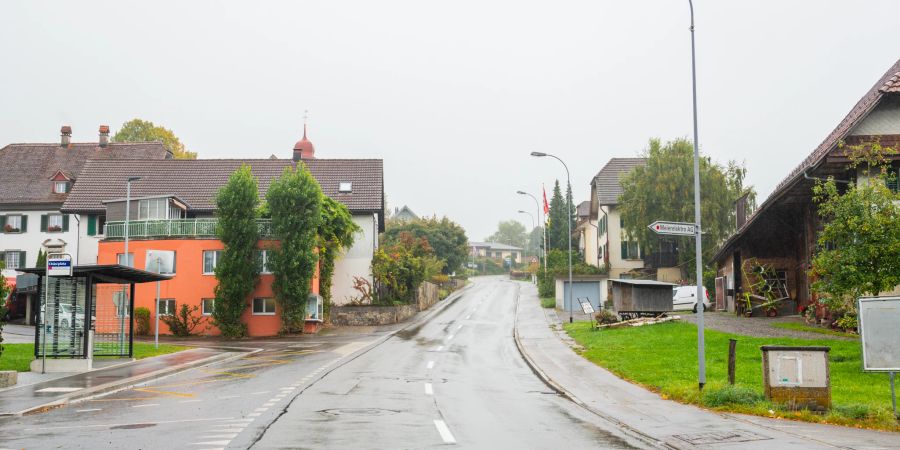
(446, 435)
(468, 317)
(450, 338)
(459, 327)
(225, 397)
(89, 410)
(258, 393)
(60, 389)
(440, 348)
(429, 390)
(105, 425)
(191, 401)
(260, 409)
(240, 420)
(430, 365)
(145, 405)
(286, 389)
(220, 436)
(269, 404)
(253, 415)
(211, 443)
(227, 430)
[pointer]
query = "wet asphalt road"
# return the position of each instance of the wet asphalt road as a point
(455, 380)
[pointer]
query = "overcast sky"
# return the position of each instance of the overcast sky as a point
(452, 95)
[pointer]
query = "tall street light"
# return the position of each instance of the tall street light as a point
(543, 227)
(568, 221)
(698, 245)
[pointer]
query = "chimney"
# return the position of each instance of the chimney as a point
(104, 135)
(65, 136)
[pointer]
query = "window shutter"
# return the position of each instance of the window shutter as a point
(624, 249)
(44, 223)
(24, 223)
(22, 262)
(3, 223)
(65, 226)
(3, 259)
(92, 225)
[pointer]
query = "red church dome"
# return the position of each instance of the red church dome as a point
(304, 148)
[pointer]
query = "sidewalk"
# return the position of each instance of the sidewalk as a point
(657, 422)
(24, 399)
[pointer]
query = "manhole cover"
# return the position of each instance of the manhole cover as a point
(358, 412)
(132, 426)
(721, 437)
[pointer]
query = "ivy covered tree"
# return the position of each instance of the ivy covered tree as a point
(294, 201)
(859, 247)
(336, 232)
(236, 269)
(663, 189)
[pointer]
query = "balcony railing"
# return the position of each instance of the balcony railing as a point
(176, 228)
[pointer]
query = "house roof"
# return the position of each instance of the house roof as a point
(888, 83)
(197, 181)
(583, 209)
(607, 182)
(493, 246)
(27, 168)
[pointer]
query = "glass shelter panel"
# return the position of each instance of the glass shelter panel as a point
(112, 319)
(62, 332)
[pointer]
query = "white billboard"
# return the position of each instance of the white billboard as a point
(878, 320)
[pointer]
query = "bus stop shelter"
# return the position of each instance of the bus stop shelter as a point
(90, 313)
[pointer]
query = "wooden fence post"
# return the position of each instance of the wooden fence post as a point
(732, 344)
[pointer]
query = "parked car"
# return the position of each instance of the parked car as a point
(15, 307)
(685, 298)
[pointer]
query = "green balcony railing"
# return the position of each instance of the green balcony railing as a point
(176, 228)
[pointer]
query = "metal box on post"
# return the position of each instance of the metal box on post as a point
(798, 377)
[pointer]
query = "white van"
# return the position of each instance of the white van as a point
(685, 298)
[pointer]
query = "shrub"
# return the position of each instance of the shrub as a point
(402, 267)
(184, 321)
(731, 395)
(548, 302)
(605, 316)
(141, 321)
(854, 411)
(440, 279)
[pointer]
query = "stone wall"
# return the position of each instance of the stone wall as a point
(427, 295)
(371, 315)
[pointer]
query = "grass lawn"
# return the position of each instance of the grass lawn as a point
(812, 329)
(663, 358)
(548, 302)
(18, 356)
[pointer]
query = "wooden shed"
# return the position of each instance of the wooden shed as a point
(641, 296)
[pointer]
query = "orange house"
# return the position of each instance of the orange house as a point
(191, 261)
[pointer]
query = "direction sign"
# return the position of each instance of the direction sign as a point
(59, 265)
(673, 228)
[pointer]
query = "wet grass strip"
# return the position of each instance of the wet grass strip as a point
(18, 356)
(663, 358)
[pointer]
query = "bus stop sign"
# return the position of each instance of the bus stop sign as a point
(59, 265)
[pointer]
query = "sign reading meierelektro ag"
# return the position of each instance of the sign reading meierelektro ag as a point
(673, 228)
(59, 265)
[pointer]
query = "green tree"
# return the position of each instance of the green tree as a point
(294, 200)
(510, 232)
(859, 247)
(557, 230)
(535, 241)
(237, 270)
(336, 232)
(663, 189)
(137, 130)
(41, 259)
(402, 267)
(447, 239)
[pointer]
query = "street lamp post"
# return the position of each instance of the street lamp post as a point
(532, 219)
(543, 227)
(568, 221)
(121, 305)
(698, 245)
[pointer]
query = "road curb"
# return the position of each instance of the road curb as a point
(127, 383)
(559, 389)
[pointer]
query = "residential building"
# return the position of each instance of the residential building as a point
(404, 214)
(614, 249)
(172, 215)
(496, 251)
(587, 232)
(782, 233)
(36, 180)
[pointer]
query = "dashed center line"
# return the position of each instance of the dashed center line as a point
(450, 338)
(429, 390)
(145, 405)
(444, 431)
(440, 348)
(89, 410)
(430, 365)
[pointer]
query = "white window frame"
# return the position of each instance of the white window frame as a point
(203, 310)
(9, 253)
(167, 312)
(263, 257)
(57, 184)
(264, 312)
(121, 256)
(215, 261)
(9, 218)
(50, 223)
(159, 205)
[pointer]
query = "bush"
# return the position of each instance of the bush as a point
(401, 268)
(548, 302)
(183, 322)
(440, 279)
(141, 321)
(731, 395)
(605, 316)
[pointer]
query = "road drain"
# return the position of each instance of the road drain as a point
(358, 412)
(721, 437)
(132, 426)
